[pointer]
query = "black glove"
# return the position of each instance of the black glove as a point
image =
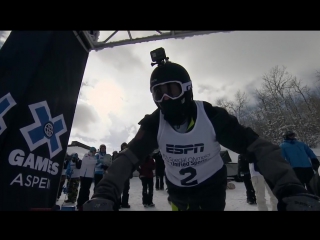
(315, 164)
(302, 202)
(98, 204)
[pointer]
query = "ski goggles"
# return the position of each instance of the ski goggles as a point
(171, 89)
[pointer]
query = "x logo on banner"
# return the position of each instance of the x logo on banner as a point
(45, 129)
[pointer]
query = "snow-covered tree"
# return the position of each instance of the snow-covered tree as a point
(282, 103)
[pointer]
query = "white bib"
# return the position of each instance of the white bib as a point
(190, 158)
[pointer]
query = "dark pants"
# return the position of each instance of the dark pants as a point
(159, 181)
(62, 181)
(305, 175)
(117, 205)
(251, 195)
(73, 187)
(210, 195)
(124, 200)
(84, 193)
(213, 203)
(125, 194)
(97, 179)
(147, 190)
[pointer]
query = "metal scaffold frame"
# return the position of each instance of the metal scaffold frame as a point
(90, 40)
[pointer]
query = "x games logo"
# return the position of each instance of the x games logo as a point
(45, 129)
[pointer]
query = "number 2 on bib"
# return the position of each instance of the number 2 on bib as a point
(192, 172)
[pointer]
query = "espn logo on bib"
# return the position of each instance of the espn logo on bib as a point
(184, 149)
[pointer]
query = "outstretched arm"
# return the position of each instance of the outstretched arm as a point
(143, 144)
(243, 140)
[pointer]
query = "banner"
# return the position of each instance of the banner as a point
(40, 78)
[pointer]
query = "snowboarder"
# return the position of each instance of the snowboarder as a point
(188, 134)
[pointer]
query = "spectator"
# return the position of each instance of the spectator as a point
(63, 175)
(244, 173)
(159, 170)
(114, 155)
(124, 200)
(100, 167)
(86, 176)
(117, 205)
(146, 177)
(73, 172)
(260, 186)
(298, 154)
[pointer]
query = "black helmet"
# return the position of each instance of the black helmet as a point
(289, 133)
(123, 145)
(169, 72)
(178, 90)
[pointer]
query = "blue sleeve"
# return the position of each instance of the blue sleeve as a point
(309, 152)
(69, 170)
(283, 153)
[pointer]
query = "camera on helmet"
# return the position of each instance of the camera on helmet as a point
(158, 56)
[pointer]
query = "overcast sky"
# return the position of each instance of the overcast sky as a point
(118, 96)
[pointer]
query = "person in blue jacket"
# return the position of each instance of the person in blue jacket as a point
(100, 168)
(73, 174)
(301, 158)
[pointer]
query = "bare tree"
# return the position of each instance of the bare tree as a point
(237, 107)
(282, 103)
(240, 107)
(291, 106)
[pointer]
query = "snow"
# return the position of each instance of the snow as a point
(236, 198)
(233, 155)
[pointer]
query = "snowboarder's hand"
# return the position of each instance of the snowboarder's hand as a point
(98, 204)
(302, 202)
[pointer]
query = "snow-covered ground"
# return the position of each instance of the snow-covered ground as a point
(236, 199)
